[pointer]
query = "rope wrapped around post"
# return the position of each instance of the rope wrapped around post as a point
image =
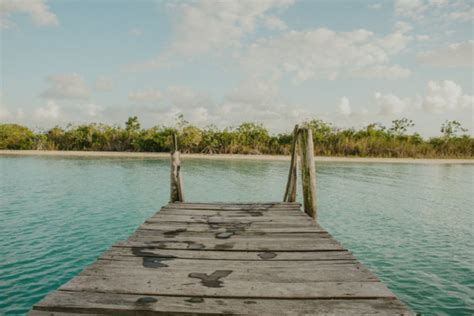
(176, 181)
(303, 144)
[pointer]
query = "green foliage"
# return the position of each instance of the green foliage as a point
(190, 138)
(374, 140)
(401, 126)
(452, 128)
(13, 136)
(132, 124)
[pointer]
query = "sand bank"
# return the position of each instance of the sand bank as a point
(142, 155)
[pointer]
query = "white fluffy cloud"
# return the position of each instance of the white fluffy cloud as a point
(415, 8)
(409, 7)
(440, 97)
(66, 86)
(253, 100)
(207, 24)
(344, 107)
(260, 100)
(444, 96)
(50, 111)
(212, 26)
(462, 16)
(93, 110)
(438, 12)
(164, 105)
(38, 10)
(390, 104)
(454, 55)
(324, 53)
(274, 23)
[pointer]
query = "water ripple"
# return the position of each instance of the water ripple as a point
(412, 225)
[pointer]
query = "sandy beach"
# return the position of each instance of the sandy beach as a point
(147, 155)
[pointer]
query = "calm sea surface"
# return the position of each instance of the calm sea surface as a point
(412, 225)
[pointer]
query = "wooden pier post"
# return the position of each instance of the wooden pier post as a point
(176, 182)
(308, 172)
(290, 192)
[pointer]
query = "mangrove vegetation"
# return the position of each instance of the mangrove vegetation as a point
(373, 140)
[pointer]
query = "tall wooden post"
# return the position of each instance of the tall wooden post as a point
(290, 192)
(308, 172)
(176, 183)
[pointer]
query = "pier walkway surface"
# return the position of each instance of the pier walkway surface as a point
(220, 258)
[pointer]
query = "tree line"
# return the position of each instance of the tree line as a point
(373, 140)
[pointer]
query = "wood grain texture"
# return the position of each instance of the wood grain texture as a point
(176, 183)
(131, 304)
(210, 259)
(308, 172)
(290, 192)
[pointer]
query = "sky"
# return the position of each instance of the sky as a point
(275, 62)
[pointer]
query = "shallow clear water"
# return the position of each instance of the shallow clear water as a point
(410, 224)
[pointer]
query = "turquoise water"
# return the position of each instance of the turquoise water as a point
(410, 224)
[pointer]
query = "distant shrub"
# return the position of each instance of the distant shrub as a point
(13, 136)
(374, 140)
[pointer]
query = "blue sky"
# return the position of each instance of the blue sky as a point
(277, 62)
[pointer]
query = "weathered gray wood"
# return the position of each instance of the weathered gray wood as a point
(326, 244)
(173, 269)
(176, 188)
(256, 213)
(229, 233)
(233, 206)
(63, 313)
(195, 258)
(308, 173)
(127, 304)
(150, 251)
(228, 219)
(153, 284)
(290, 192)
(255, 227)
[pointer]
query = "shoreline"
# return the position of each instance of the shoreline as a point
(149, 155)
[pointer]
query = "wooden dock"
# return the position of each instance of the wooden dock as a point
(228, 258)
(258, 259)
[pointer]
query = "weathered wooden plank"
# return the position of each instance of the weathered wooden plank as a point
(126, 304)
(231, 219)
(236, 208)
(142, 264)
(253, 213)
(201, 258)
(233, 206)
(214, 284)
(250, 204)
(169, 270)
(63, 313)
(255, 227)
(226, 255)
(233, 233)
(237, 245)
